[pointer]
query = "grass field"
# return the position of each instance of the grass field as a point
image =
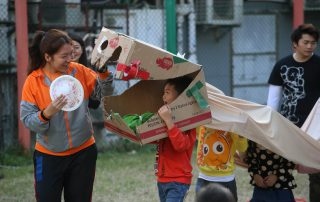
(120, 177)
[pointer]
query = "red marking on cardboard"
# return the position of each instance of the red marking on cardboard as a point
(165, 63)
(114, 42)
(179, 124)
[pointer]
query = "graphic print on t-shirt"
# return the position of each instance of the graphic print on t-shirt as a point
(293, 91)
(215, 148)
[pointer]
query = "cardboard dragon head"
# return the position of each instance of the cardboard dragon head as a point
(136, 59)
(152, 66)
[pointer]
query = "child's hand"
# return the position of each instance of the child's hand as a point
(259, 181)
(165, 113)
(270, 180)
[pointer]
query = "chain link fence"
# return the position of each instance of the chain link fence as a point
(254, 55)
(7, 36)
(8, 79)
(86, 18)
(236, 48)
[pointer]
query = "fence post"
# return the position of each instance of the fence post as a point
(298, 13)
(171, 29)
(22, 62)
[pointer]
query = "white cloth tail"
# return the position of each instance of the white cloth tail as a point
(265, 126)
(312, 123)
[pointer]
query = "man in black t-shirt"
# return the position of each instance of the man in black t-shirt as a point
(295, 85)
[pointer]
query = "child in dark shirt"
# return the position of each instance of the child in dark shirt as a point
(271, 175)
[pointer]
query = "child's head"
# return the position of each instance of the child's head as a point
(174, 87)
(214, 193)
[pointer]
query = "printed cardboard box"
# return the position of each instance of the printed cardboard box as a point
(138, 60)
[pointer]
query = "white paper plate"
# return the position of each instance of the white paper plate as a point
(71, 88)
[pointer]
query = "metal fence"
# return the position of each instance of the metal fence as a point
(7, 36)
(254, 54)
(8, 81)
(237, 49)
(85, 19)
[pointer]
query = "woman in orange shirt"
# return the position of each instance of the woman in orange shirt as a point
(65, 151)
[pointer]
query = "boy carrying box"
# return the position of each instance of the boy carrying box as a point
(173, 158)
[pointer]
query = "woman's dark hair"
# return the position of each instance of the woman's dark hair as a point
(304, 29)
(179, 83)
(45, 42)
(83, 58)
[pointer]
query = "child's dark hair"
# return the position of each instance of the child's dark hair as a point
(45, 42)
(304, 29)
(179, 83)
(214, 193)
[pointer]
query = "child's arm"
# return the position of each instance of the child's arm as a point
(240, 159)
(241, 145)
(240, 142)
(180, 141)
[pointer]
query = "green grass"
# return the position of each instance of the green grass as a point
(125, 177)
(120, 177)
(15, 156)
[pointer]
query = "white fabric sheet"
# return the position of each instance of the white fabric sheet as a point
(312, 123)
(265, 126)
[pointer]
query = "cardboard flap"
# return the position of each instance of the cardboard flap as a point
(159, 63)
(137, 59)
(186, 97)
(186, 111)
(118, 121)
(111, 46)
(116, 124)
(144, 96)
(195, 92)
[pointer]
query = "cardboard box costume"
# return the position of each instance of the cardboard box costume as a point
(153, 66)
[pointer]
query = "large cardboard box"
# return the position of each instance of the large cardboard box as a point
(138, 60)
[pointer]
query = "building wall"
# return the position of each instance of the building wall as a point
(313, 17)
(217, 49)
(213, 52)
